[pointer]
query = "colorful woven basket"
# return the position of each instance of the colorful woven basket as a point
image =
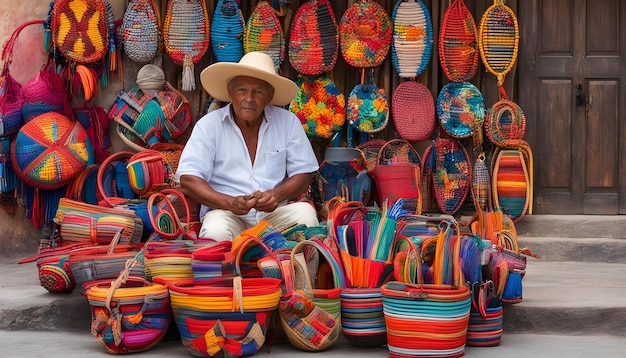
(314, 38)
(413, 110)
(481, 185)
(212, 261)
(362, 318)
(512, 182)
(320, 106)
(264, 33)
(186, 35)
(80, 30)
(367, 110)
(227, 28)
(365, 33)
(345, 178)
(50, 151)
(226, 318)
(498, 40)
(128, 314)
(370, 151)
(398, 151)
(461, 109)
(451, 174)
(505, 122)
(141, 31)
(458, 43)
(412, 38)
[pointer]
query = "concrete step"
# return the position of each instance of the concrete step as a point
(567, 298)
(573, 226)
(579, 249)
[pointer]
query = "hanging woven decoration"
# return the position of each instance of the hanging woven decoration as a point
(461, 109)
(412, 43)
(413, 109)
(264, 33)
(458, 43)
(80, 30)
(227, 28)
(481, 185)
(313, 39)
(365, 33)
(50, 151)
(498, 40)
(320, 106)
(367, 110)
(141, 31)
(452, 174)
(512, 180)
(186, 36)
(505, 122)
(45, 93)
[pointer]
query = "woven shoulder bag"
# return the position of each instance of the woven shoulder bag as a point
(313, 39)
(80, 29)
(365, 33)
(227, 28)
(264, 33)
(186, 34)
(141, 31)
(458, 43)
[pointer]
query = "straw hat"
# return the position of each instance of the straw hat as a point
(255, 64)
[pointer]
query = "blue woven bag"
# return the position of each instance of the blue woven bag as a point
(227, 28)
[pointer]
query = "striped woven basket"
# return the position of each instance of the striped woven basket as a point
(505, 122)
(50, 151)
(452, 174)
(498, 40)
(512, 181)
(458, 43)
(320, 106)
(212, 261)
(365, 34)
(227, 28)
(412, 38)
(413, 110)
(141, 31)
(264, 33)
(461, 109)
(314, 38)
(80, 30)
(186, 35)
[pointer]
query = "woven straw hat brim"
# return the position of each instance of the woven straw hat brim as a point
(215, 78)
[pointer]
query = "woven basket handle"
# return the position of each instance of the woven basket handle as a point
(170, 213)
(333, 261)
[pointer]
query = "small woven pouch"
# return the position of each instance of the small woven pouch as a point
(186, 32)
(365, 33)
(461, 109)
(458, 43)
(264, 33)
(80, 30)
(314, 38)
(367, 109)
(141, 31)
(227, 28)
(320, 106)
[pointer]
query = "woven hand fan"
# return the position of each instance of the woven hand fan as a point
(264, 33)
(319, 105)
(80, 30)
(452, 174)
(227, 28)
(461, 109)
(412, 38)
(458, 43)
(313, 39)
(505, 123)
(365, 33)
(498, 40)
(186, 36)
(50, 151)
(413, 109)
(141, 31)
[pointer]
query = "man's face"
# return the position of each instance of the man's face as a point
(249, 96)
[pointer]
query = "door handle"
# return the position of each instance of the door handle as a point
(581, 98)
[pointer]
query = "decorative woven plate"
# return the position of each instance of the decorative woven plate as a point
(498, 39)
(141, 30)
(320, 106)
(505, 122)
(461, 109)
(365, 33)
(413, 109)
(313, 39)
(458, 43)
(412, 38)
(452, 177)
(264, 33)
(227, 28)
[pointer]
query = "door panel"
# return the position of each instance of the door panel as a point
(572, 59)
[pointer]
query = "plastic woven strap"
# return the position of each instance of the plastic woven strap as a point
(498, 39)
(141, 30)
(80, 29)
(413, 109)
(320, 106)
(461, 109)
(264, 33)
(227, 28)
(412, 38)
(314, 38)
(458, 43)
(365, 32)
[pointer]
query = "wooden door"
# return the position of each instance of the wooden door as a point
(571, 75)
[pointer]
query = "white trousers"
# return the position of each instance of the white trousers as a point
(221, 225)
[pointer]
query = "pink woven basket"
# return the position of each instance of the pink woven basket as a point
(413, 110)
